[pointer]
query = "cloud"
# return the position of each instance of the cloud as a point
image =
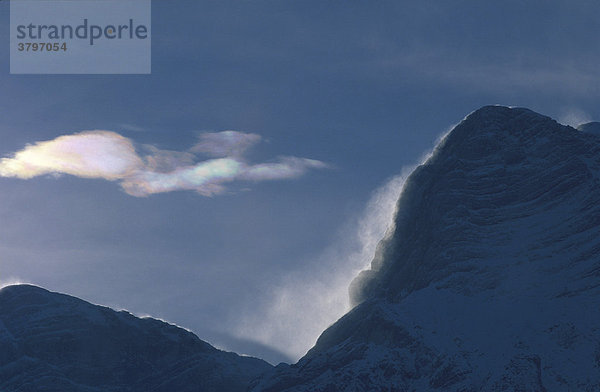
(226, 143)
(287, 167)
(480, 71)
(131, 127)
(164, 161)
(110, 156)
(205, 178)
(90, 154)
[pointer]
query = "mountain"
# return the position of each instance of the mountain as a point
(488, 281)
(490, 278)
(591, 127)
(55, 342)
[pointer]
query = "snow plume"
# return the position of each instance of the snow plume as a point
(574, 117)
(11, 282)
(309, 301)
(110, 156)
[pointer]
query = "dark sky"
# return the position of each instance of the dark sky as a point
(333, 101)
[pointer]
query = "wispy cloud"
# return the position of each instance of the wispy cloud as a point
(287, 167)
(131, 127)
(517, 69)
(110, 156)
(226, 143)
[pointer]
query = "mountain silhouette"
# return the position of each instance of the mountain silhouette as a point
(55, 342)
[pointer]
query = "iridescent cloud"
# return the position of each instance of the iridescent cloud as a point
(110, 156)
(286, 167)
(226, 143)
(90, 154)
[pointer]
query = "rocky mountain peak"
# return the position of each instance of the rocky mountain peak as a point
(495, 171)
(490, 278)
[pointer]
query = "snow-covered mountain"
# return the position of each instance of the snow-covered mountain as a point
(57, 343)
(490, 280)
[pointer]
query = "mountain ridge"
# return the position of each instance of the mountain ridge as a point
(53, 341)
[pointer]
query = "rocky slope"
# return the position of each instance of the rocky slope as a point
(490, 280)
(54, 342)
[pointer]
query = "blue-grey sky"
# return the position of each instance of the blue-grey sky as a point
(332, 100)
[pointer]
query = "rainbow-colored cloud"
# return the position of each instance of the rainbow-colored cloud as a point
(111, 156)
